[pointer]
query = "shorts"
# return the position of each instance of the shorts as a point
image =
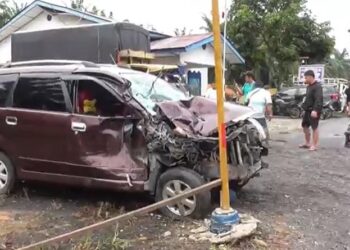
(309, 121)
(263, 123)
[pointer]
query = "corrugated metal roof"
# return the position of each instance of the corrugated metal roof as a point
(186, 43)
(179, 42)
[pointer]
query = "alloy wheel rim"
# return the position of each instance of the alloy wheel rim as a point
(184, 207)
(3, 175)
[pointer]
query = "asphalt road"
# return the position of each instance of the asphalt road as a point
(331, 134)
(302, 200)
(307, 194)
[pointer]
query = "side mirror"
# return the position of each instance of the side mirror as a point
(127, 96)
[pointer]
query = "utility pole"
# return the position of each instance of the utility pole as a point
(224, 217)
(225, 195)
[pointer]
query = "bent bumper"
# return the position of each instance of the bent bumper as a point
(236, 173)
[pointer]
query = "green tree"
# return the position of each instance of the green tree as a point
(80, 5)
(94, 10)
(182, 32)
(338, 66)
(208, 25)
(8, 10)
(273, 34)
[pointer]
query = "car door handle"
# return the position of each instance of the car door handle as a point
(11, 120)
(78, 126)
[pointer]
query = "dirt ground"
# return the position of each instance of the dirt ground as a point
(302, 200)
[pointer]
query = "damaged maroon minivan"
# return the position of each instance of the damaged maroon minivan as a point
(102, 126)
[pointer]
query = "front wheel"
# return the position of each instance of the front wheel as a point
(329, 114)
(295, 113)
(179, 180)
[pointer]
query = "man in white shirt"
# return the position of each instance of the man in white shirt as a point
(211, 92)
(260, 101)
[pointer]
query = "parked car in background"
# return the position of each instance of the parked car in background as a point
(287, 101)
(88, 125)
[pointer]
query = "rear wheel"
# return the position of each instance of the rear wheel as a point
(179, 180)
(329, 114)
(295, 112)
(326, 114)
(7, 174)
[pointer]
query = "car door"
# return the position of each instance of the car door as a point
(108, 145)
(7, 83)
(37, 123)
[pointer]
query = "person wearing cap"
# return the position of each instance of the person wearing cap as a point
(312, 106)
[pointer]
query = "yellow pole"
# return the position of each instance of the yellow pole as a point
(225, 195)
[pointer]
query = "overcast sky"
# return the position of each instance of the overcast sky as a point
(166, 15)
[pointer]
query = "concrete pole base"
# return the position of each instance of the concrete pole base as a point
(222, 220)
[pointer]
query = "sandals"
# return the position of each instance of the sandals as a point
(312, 148)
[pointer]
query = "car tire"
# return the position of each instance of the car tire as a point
(196, 206)
(7, 175)
(329, 114)
(295, 113)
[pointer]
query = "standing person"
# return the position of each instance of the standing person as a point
(259, 99)
(347, 92)
(248, 85)
(211, 91)
(313, 107)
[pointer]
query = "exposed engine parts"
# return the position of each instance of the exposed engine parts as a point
(202, 153)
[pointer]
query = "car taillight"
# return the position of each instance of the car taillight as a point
(335, 96)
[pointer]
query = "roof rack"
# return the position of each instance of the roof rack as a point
(49, 63)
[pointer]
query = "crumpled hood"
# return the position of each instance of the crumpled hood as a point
(198, 115)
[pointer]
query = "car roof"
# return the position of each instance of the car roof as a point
(60, 66)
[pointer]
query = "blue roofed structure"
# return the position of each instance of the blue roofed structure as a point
(196, 54)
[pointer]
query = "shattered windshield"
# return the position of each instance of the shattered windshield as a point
(141, 86)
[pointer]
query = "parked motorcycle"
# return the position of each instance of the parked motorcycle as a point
(327, 110)
(290, 107)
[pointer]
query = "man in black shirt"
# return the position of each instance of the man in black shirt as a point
(347, 92)
(313, 107)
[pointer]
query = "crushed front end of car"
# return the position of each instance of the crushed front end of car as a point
(184, 134)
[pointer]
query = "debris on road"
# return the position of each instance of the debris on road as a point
(246, 227)
(167, 234)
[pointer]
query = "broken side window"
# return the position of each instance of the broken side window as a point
(94, 99)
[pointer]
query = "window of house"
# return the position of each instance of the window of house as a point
(40, 94)
(94, 99)
(6, 84)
